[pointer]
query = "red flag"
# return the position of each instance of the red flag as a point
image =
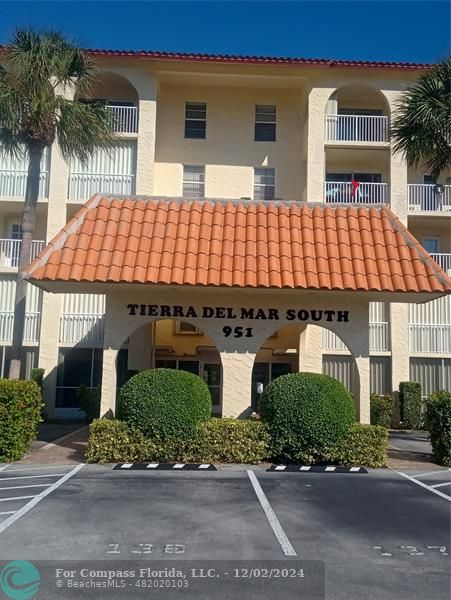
(355, 188)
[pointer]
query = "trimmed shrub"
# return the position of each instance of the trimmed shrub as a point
(381, 410)
(38, 376)
(20, 413)
(305, 414)
(364, 445)
(88, 401)
(165, 403)
(230, 441)
(217, 440)
(410, 401)
(438, 422)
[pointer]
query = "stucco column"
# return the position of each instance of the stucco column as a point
(356, 335)
(145, 161)
(52, 303)
(109, 379)
(399, 335)
(112, 341)
(236, 383)
(362, 388)
(310, 350)
(316, 156)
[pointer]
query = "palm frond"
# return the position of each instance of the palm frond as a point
(421, 128)
(82, 128)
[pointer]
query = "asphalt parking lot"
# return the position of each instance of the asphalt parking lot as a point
(380, 535)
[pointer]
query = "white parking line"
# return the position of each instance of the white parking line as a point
(423, 485)
(32, 476)
(15, 498)
(436, 485)
(280, 534)
(8, 512)
(36, 499)
(437, 472)
(22, 487)
(24, 469)
(3, 467)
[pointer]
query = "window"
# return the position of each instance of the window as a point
(16, 231)
(195, 120)
(431, 244)
(183, 327)
(360, 177)
(265, 123)
(193, 181)
(264, 184)
(429, 179)
(77, 366)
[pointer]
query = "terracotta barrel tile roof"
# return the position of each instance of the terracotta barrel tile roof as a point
(224, 243)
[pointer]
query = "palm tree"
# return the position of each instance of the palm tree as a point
(421, 128)
(37, 67)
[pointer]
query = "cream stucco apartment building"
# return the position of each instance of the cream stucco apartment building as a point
(230, 128)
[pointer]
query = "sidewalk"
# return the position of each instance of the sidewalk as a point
(66, 449)
(410, 450)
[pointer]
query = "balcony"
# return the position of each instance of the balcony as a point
(379, 339)
(31, 330)
(10, 249)
(444, 261)
(82, 329)
(356, 128)
(344, 192)
(83, 185)
(429, 339)
(125, 118)
(428, 197)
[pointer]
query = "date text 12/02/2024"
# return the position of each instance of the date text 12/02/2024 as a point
(227, 312)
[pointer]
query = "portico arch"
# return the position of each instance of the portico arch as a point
(298, 348)
(237, 328)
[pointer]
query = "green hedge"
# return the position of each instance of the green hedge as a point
(410, 404)
(306, 413)
(165, 403)
(215, 441)
(20, 413)
(381, 410)
(364, 445)
(225, 441)
(438, 421)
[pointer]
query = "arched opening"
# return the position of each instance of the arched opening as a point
(109, 170)
(357, 116)
(121, 98)
(172, 344)
(303, 348)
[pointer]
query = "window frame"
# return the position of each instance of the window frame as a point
(196, 120)
(178, 330)
(259, 122)
(188, 182)
(264, 185)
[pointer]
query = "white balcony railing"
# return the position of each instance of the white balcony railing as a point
(125, 118)
(13, 183)
(428, 197)
(84, 329)
(379, 339)
(430, 339)
(83, 185)
(444, 261)
(356, 128)
(366, 193)
(10, 249)
(31, 330)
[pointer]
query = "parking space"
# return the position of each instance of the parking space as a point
(21, 488)
(379, 534)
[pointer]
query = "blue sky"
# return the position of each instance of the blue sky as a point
(406, 30)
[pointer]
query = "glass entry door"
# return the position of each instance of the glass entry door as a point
(212, 377)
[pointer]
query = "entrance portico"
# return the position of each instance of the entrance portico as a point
(239, 272)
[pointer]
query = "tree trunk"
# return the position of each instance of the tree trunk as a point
(28, 226)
